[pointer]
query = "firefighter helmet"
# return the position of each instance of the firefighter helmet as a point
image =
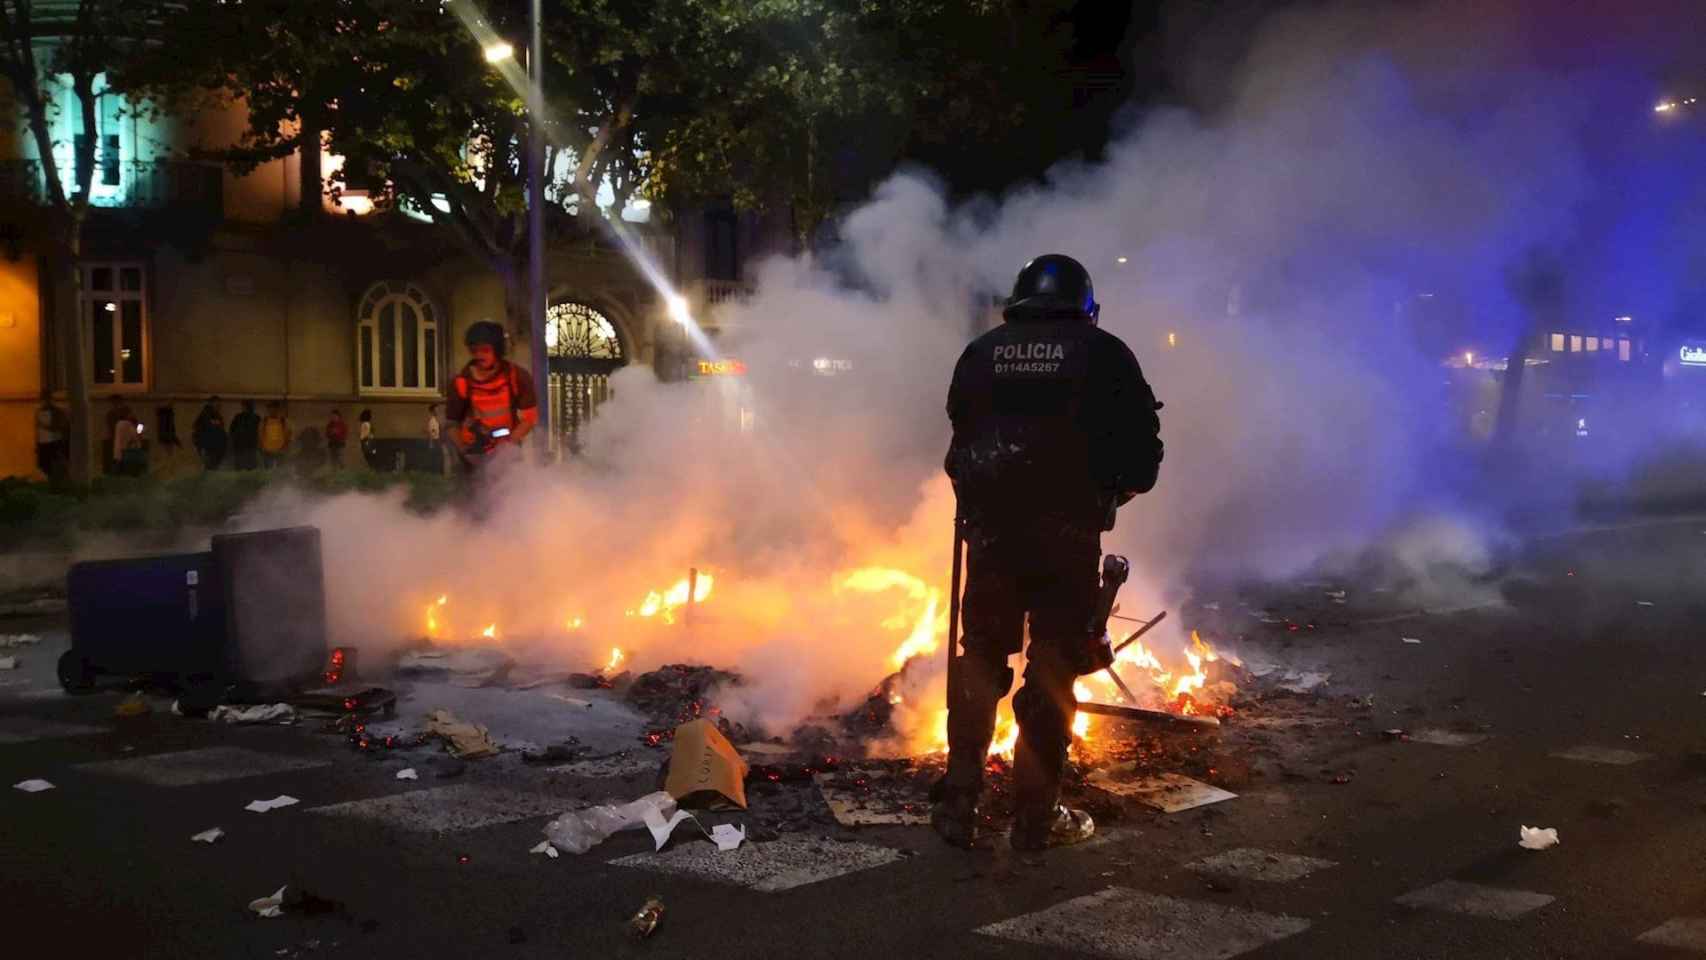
(488, 333)
(1053, 286)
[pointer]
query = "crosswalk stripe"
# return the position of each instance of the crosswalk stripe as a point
(29, 729)
(1681, 933)
(449, 809)
(1125, 924)
(1473, 899)
(781, 864)
(1249, 863)
(1587, 753)
(207, 765)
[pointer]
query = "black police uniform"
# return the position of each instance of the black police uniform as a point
(1054, 426)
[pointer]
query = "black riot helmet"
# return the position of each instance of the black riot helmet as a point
(488, 333)
(1053, 287)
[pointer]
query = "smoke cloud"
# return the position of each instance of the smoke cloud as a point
(1355, 158)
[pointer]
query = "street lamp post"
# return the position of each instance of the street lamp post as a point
(536, 221)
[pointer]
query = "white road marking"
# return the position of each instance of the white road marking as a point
(1251, 864)
(1453, 896)
(208, 765)
(1682, 933)
(460, 806)
(1447, 738)
(1588, 753)
(1126, 924)
(766, 867)
(28, 730)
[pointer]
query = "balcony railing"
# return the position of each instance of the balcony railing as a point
(142, 184)
(723, 291)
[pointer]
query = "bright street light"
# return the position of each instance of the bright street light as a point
(678, 310)
(499, 52)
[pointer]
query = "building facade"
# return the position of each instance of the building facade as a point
(196, 282)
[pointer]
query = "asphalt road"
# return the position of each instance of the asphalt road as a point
(1343, 842)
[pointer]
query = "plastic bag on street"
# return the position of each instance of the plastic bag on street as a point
(580, 830)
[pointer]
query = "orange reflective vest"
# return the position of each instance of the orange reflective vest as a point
(491, 402)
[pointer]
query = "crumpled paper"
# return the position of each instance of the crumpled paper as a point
(32, 786)
(259, 713)
(1538, 838)
(467, 741)
(661, 828)
(18, 640)
(727, 836)
(407, 773)
(545, 848)
(208, 836)
(262, 806)
(8, 663)
(272, 906)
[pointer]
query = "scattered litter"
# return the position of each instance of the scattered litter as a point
(546, 848)
(1215, 606)
(272, 906)
(1537, 838)
(8, 663)
(855, 798)
(260, 713)
(1395, 733)
(1412, 640)
(580, 830)
(32, 786)
(18, 640)
(131, 706)
(262, 806)
(1168, 792)
(727, 836)
(1337, 596)
(1447, 738)
(661, 827)
(467, 741)
(1295, 681)
(1643, 603)
(571, 701)
(208, 836)
(407, 773)
(705, 763)
(644, 922)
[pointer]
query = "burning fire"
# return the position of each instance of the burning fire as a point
(674, 598)
(616, 658)
(491, 632)
(922, 628)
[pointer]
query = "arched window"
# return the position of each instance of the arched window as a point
(397, 347)
(577, 331)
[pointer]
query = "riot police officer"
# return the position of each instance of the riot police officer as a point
(1054, 428)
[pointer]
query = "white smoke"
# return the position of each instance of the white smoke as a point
(1360, 155)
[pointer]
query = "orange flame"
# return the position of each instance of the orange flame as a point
(491, 632)
(616, 658)
(668, 601)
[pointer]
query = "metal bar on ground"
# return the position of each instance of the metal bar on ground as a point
(1128, 641)
(1150, 716)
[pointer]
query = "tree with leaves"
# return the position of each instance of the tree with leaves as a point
(91, 44)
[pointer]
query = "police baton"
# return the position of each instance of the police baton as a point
(954, 610)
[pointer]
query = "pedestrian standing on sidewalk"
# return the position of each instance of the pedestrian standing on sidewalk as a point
(246, 438)
(52, 433)
(337, 435)
(275, 436)
(209, 435)
(364, 436)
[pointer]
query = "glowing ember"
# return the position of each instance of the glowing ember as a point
(491, 632)
(575, 623)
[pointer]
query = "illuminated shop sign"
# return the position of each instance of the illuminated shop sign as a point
(829, 366)
(722, 368)
(1693, 356)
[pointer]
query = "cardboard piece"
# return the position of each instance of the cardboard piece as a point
(704, 761)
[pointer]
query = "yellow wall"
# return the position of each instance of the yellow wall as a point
(20, 366)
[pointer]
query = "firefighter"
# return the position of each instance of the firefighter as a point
(1054, 428)
(492, 404)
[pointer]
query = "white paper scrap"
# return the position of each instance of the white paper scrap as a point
(728, 836)
(19, 640)
(8, 663)
(1412, 640)
(272, 906)
(208, 836)
(262, 806)
(1643, 603)
(32, 786)
(545, 848)
(407, 773)
(661, 828)
(1537, 838)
